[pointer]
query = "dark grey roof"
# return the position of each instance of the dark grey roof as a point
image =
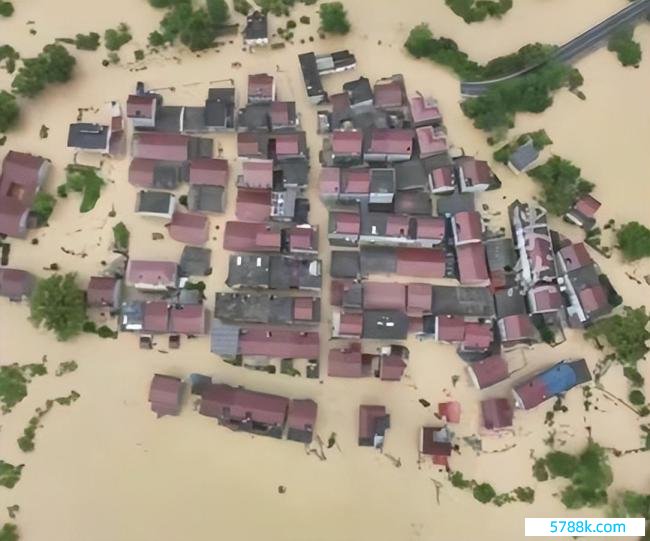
(220, 108)
(581, 371)
(462, 301)
(436, 162)
(455, 203)
(256, 26)
(248, 270)
(500, 253)
(224, 339)
(385, 324)
(343, 58)
(196, 261)
(283, 204)
(88, 136)
(509, 302)
(382, 180)
(256, 308)
(168, 118)
(255, 116)
(287, 272)
(200, 147)
(205, 198)
(524, 155)
(410, 175)
(344, 264)
(310, 74)
(149, 201)
(378, 260)
(413, 202)
(353, 296)
(359, 90)
(295, 171)
(167, 175)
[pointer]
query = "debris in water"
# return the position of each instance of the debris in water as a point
(282, 489)
(331, 441)
(424, 402)
(44, 132)
(157, 236)
(454, 379)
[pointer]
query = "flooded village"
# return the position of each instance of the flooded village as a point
(311, 289)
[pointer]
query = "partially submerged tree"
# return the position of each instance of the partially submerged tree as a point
(218, 11)
(6, 8)
(634, 240)
(334, 18)
(9, 111)
(53, 65)
(627, 50)
(473, 11)
(87, 42)
(115, 38)
(626, 333)
(60, 305)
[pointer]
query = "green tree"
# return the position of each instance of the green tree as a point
(218, 11)
(483, 492)
(9, 111)
(6, 9)
(60, 305)
(53, 65)
(478, 10)
(115, 38)
(626, 333)
(199, 32)
(9, 474)
(627, 50)
(561, 184)
(121, 237)
(333, 18)
(87, 42)
(242, 6)
(561, 464)
(634, 241)
(637, 398)
(43, 206)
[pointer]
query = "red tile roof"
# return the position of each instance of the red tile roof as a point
(546, 298)
(431, 227)
(517, 327)
(388, 94)
(384, 296)
(189, 228)
(347, 222)
(141, 172)
(351, 324)
(151, 272)
(210, 171)
(356, 180)
(253, 205)
(248, 145)
(391, 141)
(424, 110)
(391, 368)
(140, 106)
(450, 411)
(419, 298)
(187, 319)
(15, 283)
(287, 144)
(260, 86)
(489, 371)
(593, 298)
(432, 445)
(345, 362)
(420, 262)
(303, 238)
(450, 328)
(443, 177)
(280, 113)
(431, 141)
(101, 291)
(329, 181)
(587, 205)
(165, 394)
(397, 226)
(575, 256)
(238, 404)
(475, 171)
(347, 142)
(472, 266)
(249, 236)
(497, 413)
(155, 316)
(468, 226)
(303, 308)
(302, 415)
(478, 336)
(368, 417)
(258, 174)
(279, 343)
(161, 146)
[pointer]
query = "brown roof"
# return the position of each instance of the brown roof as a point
(489, 371)
(260, 87)
(303, 238)
(351, 324)
(345, 362)
(329, 181)
(15, 283)
(397, 226)
(211, 171)
(189, 228)
(472, 266)
(347, 223)
(237, 404)
(253, 205)
(587, 205)
(478, 335)
(250, 236)
(443, 177)
(575, 256)
(497, 413)
(347, 142)
(248, 145)
(419, 298)
(475, 171)
(340, 102)
(140, 106)
(547, 298)
(280, 343)
(356, 180)
(151, 272)
(517, 327)
(165, 394)
(187, 319)
(101, 291)
(368, 417)
(282, 113)
(155, 316)
(302, 415)
(424, 110)
(384, 296)
(468, 226)
(388, 94)
(287, 144)
(430, 227)
(391, 141)
(420, 262)
(161, 146)
(449, 411)
(434, 441)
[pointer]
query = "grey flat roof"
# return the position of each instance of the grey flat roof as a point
(455, 203)
(149, 201)
(509, 302)
(88, 136)
(378, 260)
(500, 253)
(205, 198)
(167, 175)
(196, 261)
(254, 308)
(411, 175)
(524, 155)
(168, 118)
(385, 324)
(224, 339)
(462, 301)
(345, 264)
(382, 180)
(248, 270)
(295, 171)
(310, 74)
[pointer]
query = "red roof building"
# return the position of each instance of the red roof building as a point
(431, 141)
(478, 336)
(544, 298)
(356, 181)
(517, 329)
(390, 143)
(141, 106)
(587, 205)
(391, 367)
(348, 362)
(261, 88)
(329, 183)
(306, 309)
(593, 299)
(248, 146)
(141, 172)
(384, 296)
(279, 343)
(16, 284)
(497, 413)
(424, 111)
(575, 256)
(388, 94)
(347, 144)
(419, 298)
(153, 275)
(256, 174)
(373, 422)
(449, 411)
(253, 205)
(251, 237)
(472, 265)
(421, 262)
(488, 371)
(350, 324)
(161, 146)
(474, 175)
(165, 394)
(187, 319)
(155, 317)
(103, 291)
(434, 441)
(450, 329)
(467, 227)
(441, 180)
(209, 171)
(189, 228)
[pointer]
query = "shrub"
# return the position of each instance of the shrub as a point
(626, 333)
(138, 55)
(291, 24)
(87, 42)
(106, 332)
(53, 65)
(218, 11)
(333, 18)
(561, 464)
(114, 39)
(483, 492)
(84, 179)
(9, 111)
(6, 9)
(43, 206)
(9, 474)
(305, 19)
(634, 241)
(627, 50)
(636, 398)
(121, 237)
(60, 305)
(476, 11)
(242, 6)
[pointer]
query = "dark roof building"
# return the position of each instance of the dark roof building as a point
(523, 157)
(103, 291)
(264, 308)
(206, 198)
(273, 272)
(155, 204)
(196, 261)
(373, 423)
(164, 175)
(256, 31)
(165, 394)
(16, 284)
(89, 137)
(436, 442)
(583, 212)
(497, 413)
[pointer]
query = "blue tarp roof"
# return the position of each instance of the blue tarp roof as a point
(559, 378)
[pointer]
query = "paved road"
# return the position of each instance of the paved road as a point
(573, 49)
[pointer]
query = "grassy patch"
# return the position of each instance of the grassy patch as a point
(84, 179)
(26, 441)
(14, 379)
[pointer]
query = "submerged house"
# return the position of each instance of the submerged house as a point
(165, 394)
(489, 371)
(16, 284)
(277, 309)
(83, 136)
(583, 212)
(436, 443)
(373, 423)
(274, 272)
(301, 420)
(497, 413)
(256, 32)
(556, 380)
(104, 292)
(152, 275)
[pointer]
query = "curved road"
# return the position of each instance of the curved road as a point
(572, 49)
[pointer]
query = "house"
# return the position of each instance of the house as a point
(155, 317)
(155, 204)
(219, 111)
(314, 66)
(301, 420)
(22, 176)
(208, 171)
(359, 93)
(165, 395)
(348, 362)
(436, 442)
(206, 198)
(389, 93)
(556, 380)
(497, 413)
(282, 115)
(262, 237)
(475, 175)
(392, 362)
(148, 173)
(286, 206)
(502, 260)
(274, 309)
(86, 137)
(253, 205)
(385, 325)
(472, 266)
(384, 296)
(256, 32)
(287, 146)
(170, 146)
(329, 185)
(189, 228)
(344, 228)
(488, 371)
(389, 145)
(346, 146)
(450, 411)
(256, 174)
(228, 341)
(424, 111)
(383, 229)
(196, 261)
(274, 272)
(517, 329)
(449, 329)
(189, 319)
(545, 298)
(455, 202)
(523, 157)
(16, 284)
(104, 292)
(373, 423)
(416, 262)
(574, 257)
(141, 110)
(411, 180)
(261, 88)
(152, 275)
(431, 141)
(583, 211)
(347, 324)
(442, 180)
(240, 409)
(467, 228)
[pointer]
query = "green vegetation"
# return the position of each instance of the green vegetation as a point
(626, 333)
(26, 441)
(9, 55)
(195, 28)
(114, 38)
(121, 237)
(6, 8)
(60, 305)
(87, 42)
(473, 11)
(242, 6)
(9, 111)
(14, 379)
(561, 184)
(539, 138)
(636, 397)
(103, 331)
(485, 493)
(589, 474)
(634, 240)
(539, 470)
(627, 50)
(9, 474)
(43, 206)
(66, 367)
(9, 532)
(138, 54)
(53, 65)
(81, 178)
(631, 504)
(334, 18)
